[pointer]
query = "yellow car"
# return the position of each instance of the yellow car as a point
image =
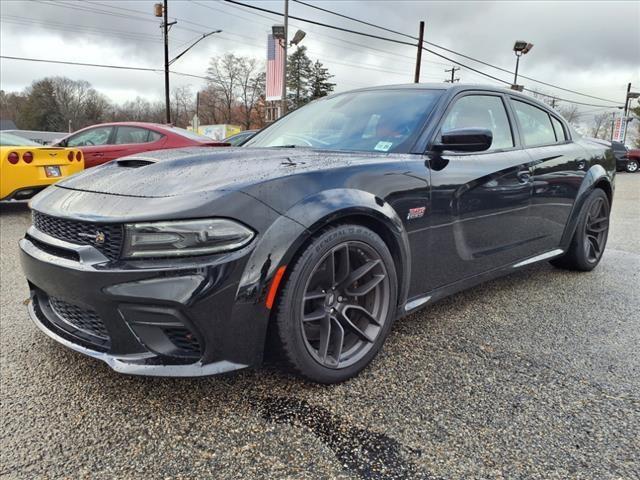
(27, 167)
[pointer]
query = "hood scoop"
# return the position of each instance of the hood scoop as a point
(134, 162)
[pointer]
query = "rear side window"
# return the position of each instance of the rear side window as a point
(481, 111)
(126, 135)
(535, 124)
(559, 129)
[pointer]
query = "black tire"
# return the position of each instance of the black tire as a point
(313, 332)
(590, 238)
(632, 166)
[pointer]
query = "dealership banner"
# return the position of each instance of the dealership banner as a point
(618, 130)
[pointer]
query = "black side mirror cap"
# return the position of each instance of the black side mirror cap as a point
(464, 140)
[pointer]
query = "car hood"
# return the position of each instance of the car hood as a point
(167, 173)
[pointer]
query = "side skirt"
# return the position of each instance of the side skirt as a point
(416, 303)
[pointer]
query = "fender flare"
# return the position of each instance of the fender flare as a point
(284, 238)
(595, 176)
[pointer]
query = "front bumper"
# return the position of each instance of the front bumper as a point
(165, 318)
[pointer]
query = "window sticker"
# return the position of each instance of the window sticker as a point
(383, 146)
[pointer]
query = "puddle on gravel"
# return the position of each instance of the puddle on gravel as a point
(368, 454)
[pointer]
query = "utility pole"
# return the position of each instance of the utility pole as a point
(165, 26)
(416, 78)
(626, 112)
(453, 71)
(283, 105)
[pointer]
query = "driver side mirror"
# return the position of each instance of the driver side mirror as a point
(62, 143)
(464, 140)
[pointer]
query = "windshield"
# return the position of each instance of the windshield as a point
(7, 139)
(374, 121)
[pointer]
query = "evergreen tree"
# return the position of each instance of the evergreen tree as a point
(41, 110)
(319, 85)
(299, 72)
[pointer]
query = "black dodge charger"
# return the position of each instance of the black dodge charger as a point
(316, 235)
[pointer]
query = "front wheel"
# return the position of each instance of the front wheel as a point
(590, 237)
(338, 304)
(632, 166)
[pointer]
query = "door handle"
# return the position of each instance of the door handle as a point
(98, 154)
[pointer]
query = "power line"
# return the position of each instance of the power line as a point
(454, 52)
(313, 22)
(355, 19)
(101, 65)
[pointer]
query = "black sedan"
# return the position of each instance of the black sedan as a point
(323, 229)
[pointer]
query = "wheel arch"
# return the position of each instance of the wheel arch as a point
(596, 177)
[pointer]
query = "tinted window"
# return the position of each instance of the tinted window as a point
(94, 136)
(559, 129)
(535, 124)
(126, 135)
(375, 121)
(154, 136)
(481, 111)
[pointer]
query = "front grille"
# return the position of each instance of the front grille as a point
(105, 237)
(85, 320)
(183, 339)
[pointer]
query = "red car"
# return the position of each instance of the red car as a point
(108, 141)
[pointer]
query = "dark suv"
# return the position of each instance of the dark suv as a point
(623, 162)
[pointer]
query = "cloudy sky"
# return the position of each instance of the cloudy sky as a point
(590, 47)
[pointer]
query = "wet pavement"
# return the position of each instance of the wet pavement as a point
(535, 375)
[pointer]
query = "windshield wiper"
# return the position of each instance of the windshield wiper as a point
(291, 145)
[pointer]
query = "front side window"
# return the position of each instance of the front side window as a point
(535, 124)
(374, 121)
(481, 111)
(88, 138)
(125, 135)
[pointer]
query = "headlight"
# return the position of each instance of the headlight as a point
(184, 238)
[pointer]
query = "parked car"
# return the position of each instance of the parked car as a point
(26, 167)
(240, 138)
(108, 141)
(633, 160)
(324, 228)
(621, 152)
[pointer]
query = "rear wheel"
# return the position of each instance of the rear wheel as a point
(338, 304)
(632, 166)
(590, 237)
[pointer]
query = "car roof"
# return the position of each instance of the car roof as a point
(130, 124)
(452, 89)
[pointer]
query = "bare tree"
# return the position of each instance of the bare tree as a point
(599, 125)
(224, 74)
(183, 105)
(252, 84)
(570, 114)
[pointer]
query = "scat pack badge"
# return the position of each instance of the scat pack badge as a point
(417, 212)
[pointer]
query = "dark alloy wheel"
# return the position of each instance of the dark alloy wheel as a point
(338, 304)
(632, 166)
(590, 237)
(596, 229)
(345, 304)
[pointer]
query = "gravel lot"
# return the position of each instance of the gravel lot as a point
(536, 375)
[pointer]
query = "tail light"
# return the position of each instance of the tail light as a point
(78, 156)
(13, 158)
(70, 156)
(27, 157)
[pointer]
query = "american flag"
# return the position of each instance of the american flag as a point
(275, 64)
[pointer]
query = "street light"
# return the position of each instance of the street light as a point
(520, 48)
(204, 35)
